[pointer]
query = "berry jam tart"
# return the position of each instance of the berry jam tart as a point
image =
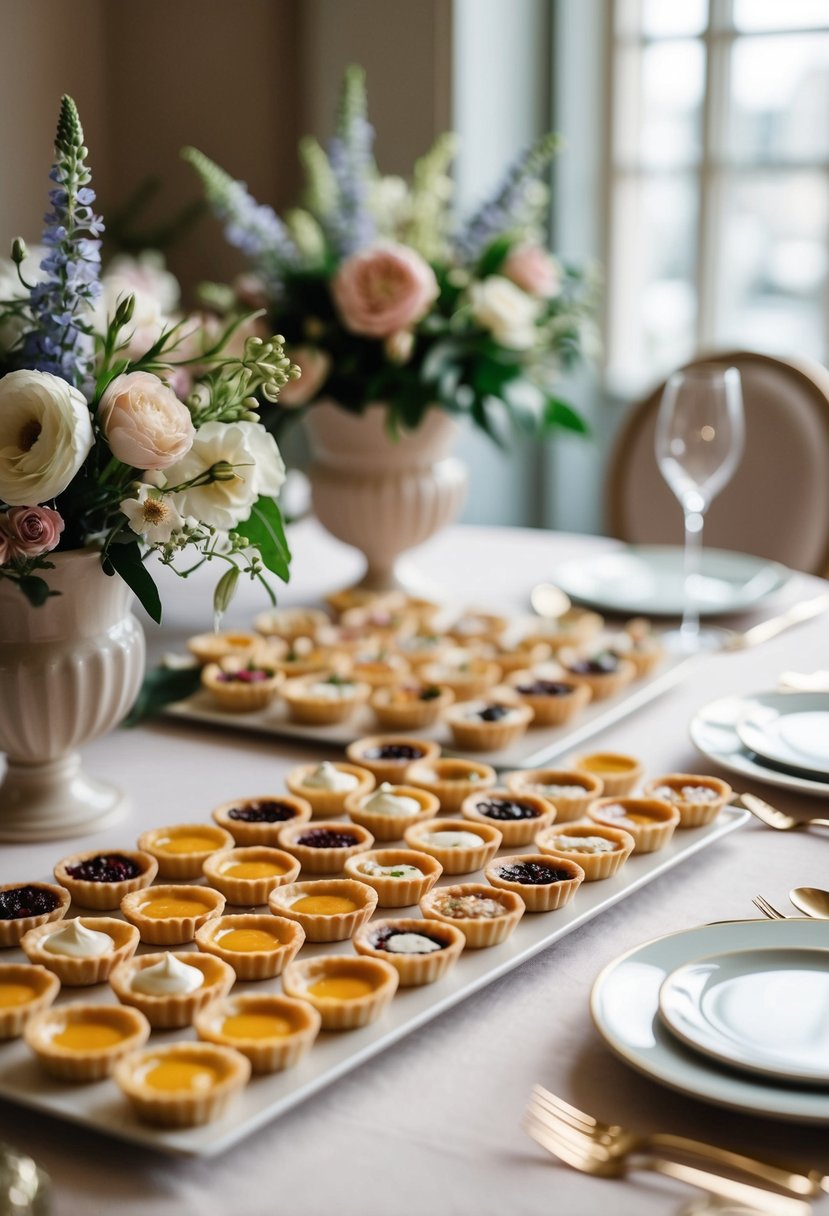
(518, 817)
(544, 883)
(420, 952)
(388, 756)
(489, 724)
(241, 687)
(604, 672)
(553, 700)
(27, 905)
(101, 880)
(253, 821)
(324, 847)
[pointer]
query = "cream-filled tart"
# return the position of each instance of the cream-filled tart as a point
(411, 705)
(246, 876)
(305, 657)
(467, 674)
(99, 880)
(259, 820)
(576, 627)
(650, 821)
(699, 800)
(324, 698)
(290, 623)
(346, 991)
(386, 622)
(24, 991)
(324, 846)
(170, 914)
(512, 656)
(24, 906)
(387, 811)
(569, 791)
(475, 626)
(420, 952)
(273, 1032)
(451, 781)
(171, 986)
(604, 672)
(618, 772)
(84, 1042)
(379, 667)
(553, 700)
(420, 649)
(490, 723)
(389, 756)
(326, 785)
(82, 951)
(182, 1084)
(242, 686)
(599, 850)
(518, 817)
(458, 844)
(485, 915)
(211, 647)
(256, 946)
(329, 910)
(182, 849)
(401, 877)
(544, 883)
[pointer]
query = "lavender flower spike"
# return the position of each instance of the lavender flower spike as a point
(350, 226)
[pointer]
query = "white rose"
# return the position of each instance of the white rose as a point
(505, 310)
(257, 470)
(45, 436)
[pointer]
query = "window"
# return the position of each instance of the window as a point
(718, 218)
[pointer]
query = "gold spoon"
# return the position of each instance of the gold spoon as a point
(811, 901)
(549, 601)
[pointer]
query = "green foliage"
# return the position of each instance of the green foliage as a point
(125, 559)
(161, 687)
(266, 531)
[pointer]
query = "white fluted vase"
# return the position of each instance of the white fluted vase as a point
(69, 671)
(384, 496)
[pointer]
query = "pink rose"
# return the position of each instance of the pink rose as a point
(383, 289)
(145, 424)
(32, 531)
(533, 270)
(315, 365)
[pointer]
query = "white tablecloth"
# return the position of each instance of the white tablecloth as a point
(432, 1126)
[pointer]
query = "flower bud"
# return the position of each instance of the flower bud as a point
(124, 311)
(222, 471)
(19, 250)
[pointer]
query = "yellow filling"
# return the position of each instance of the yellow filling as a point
(247, 940)
(89, 1036)
(341, 987)
(164, 905)
(16, 994)
(186, 842)
(607, 764)
(257, 1026)
(253, 869)
(324, 905)
(188, 1075)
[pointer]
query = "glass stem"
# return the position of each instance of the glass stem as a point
(689, 629)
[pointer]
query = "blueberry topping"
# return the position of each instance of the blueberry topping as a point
(265, 811)
(382, 937)
(506, 808)
(533, 873)
(394, 751)
(326, 838)
(27, 901)
(430, 694)
(600, 665)
(494, 713)
(106, 867)
(546, 688)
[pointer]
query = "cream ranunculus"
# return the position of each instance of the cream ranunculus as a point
(505, 310)
(45, 436)
(256, 469)
(145, 424)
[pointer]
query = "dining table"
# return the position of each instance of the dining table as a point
(432, 1126)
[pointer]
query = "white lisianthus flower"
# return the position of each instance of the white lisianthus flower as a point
(45, 436)
(152, 515)
(256, 468)
(505, 310)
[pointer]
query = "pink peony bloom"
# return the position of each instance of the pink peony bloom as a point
(383, 289)
(145, 424)
(315, 365)
(31, 531)
(533, 270)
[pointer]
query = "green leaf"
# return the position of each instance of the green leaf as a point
(266, 532)
(126, 561)
(36, 590)
(493, 257)
(527, 405)
(162, 686)
(559, 414)
(223, 595)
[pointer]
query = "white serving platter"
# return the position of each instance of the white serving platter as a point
(535, 749)
(100, 1107)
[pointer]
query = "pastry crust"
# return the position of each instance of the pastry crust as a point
(178, 867)
(211, 647)
(13, 930)
(390, 769)
(251, 892)
(474, 679)
(660, 820)
(335, 1013)
(550, 710)
(84, 1064)
(171, 930)
(618, 773)
(325, 803)
(396, 892)
(249, 965)
(692, 814)
(311, 710)
(397, 712)
(513, 831)
(451, 781)
(604, 684)
(45, 987)
(323, 860)
(290, 623)
(479, 931)
(320, 926)
(471, 734)
(567, 807)
(391, 827)
(105, 896)
(541, 897)
(596, 866)
(247, 833)
(170, 1011)
(183, 1108)
(81, 972)
(266, 1055)
(414, 970)
(236, 696)
(463, 859)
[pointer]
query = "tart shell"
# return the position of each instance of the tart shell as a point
(45, 986)
(605, 684)
(550, 710)
(391, 827)
(414, 970)
(596, 866)
(476, 736)
(177, 1108)
(265, 1055)
(567, 808)
(310, 710)
(82, 972)
(647, 837)
(253, 964)
(338, 1014)
(545, 897)
(513, 831)
(247, 834)
(408, 715)
(463, 860)
(615, 782)
(390, 770)
(318, 926)
(171, 1011)
(93, 1064)
(105, 896)
(479, 931)
(179, 867)
(13, 930)
(396, 892)
(236, 696)
(449, 780)
(325, 803)
(251, 892)
(693, 814)
(314, 860)
(171, 930)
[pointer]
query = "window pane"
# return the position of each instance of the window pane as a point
(772, 267)
(661, 19)
(780, 98)
(658, 110)
(780, 14)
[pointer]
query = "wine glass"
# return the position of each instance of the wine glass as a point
(700, 435)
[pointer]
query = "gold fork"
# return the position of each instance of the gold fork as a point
(620, 1142)
(768, 909)
(583, 1153)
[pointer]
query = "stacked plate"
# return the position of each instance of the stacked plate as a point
(781, 738)
(732, 1013)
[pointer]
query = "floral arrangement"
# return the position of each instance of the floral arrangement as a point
(122, 424)
(384, 298)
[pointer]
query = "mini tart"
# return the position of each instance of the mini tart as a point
(596, 866)
(573, 628)
(518, 656)
(380, 670)
(329, 910)
(479, 931)
(272, 1032)
(420, 649)
(518, 817)
(386, 622)
(602, 683)
(328, 802)
(257, 947)
(540, 892)
(455, 859)
(182, 1084)
(346, 992)
(391, 827)
(169, 915)
(323, 847)
(618, 773)
(248, 875)
(305, 706)
(552, 700)
(258, 821)
(84, 1042)
(305, 658)
(211, 647)
(473, 678)
(24, 991)
(21, 904)
(389, 756)
(360, 597)
(413, 968)
(472, 733)
(650, 821)
(173, 1010)
(451, 780)
(182, 849)
(403, 706)
(103, 894)
(242, 687)
(80, 972)
(401, 891)
(693, 813)
(478, 627)
(584, 788)
(290, 623)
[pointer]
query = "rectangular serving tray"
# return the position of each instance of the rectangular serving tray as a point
(100, 1106)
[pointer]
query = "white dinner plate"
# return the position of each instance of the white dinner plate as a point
(625, 1008)
(650, 579)
(713, 732)
(760, 1010)
(789, 729)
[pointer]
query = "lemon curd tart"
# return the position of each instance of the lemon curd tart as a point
(182, 850)
(169, 988)
(83, 1042)
(24, 991)
(248, 875)
(257, 947)
(272, 1031)
(650, 821)
(169, 915)
(347, 992)
(618, 772)
(182, 1084)
(81, 951)
(24, 906)
(101, 880)
(329, 910)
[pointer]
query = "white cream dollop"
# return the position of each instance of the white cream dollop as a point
(401, 871)
(411, 943)
(385, 802)
(326, 777)
(74, 940)
(170, 977)
(325, 691)
(454, 840)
